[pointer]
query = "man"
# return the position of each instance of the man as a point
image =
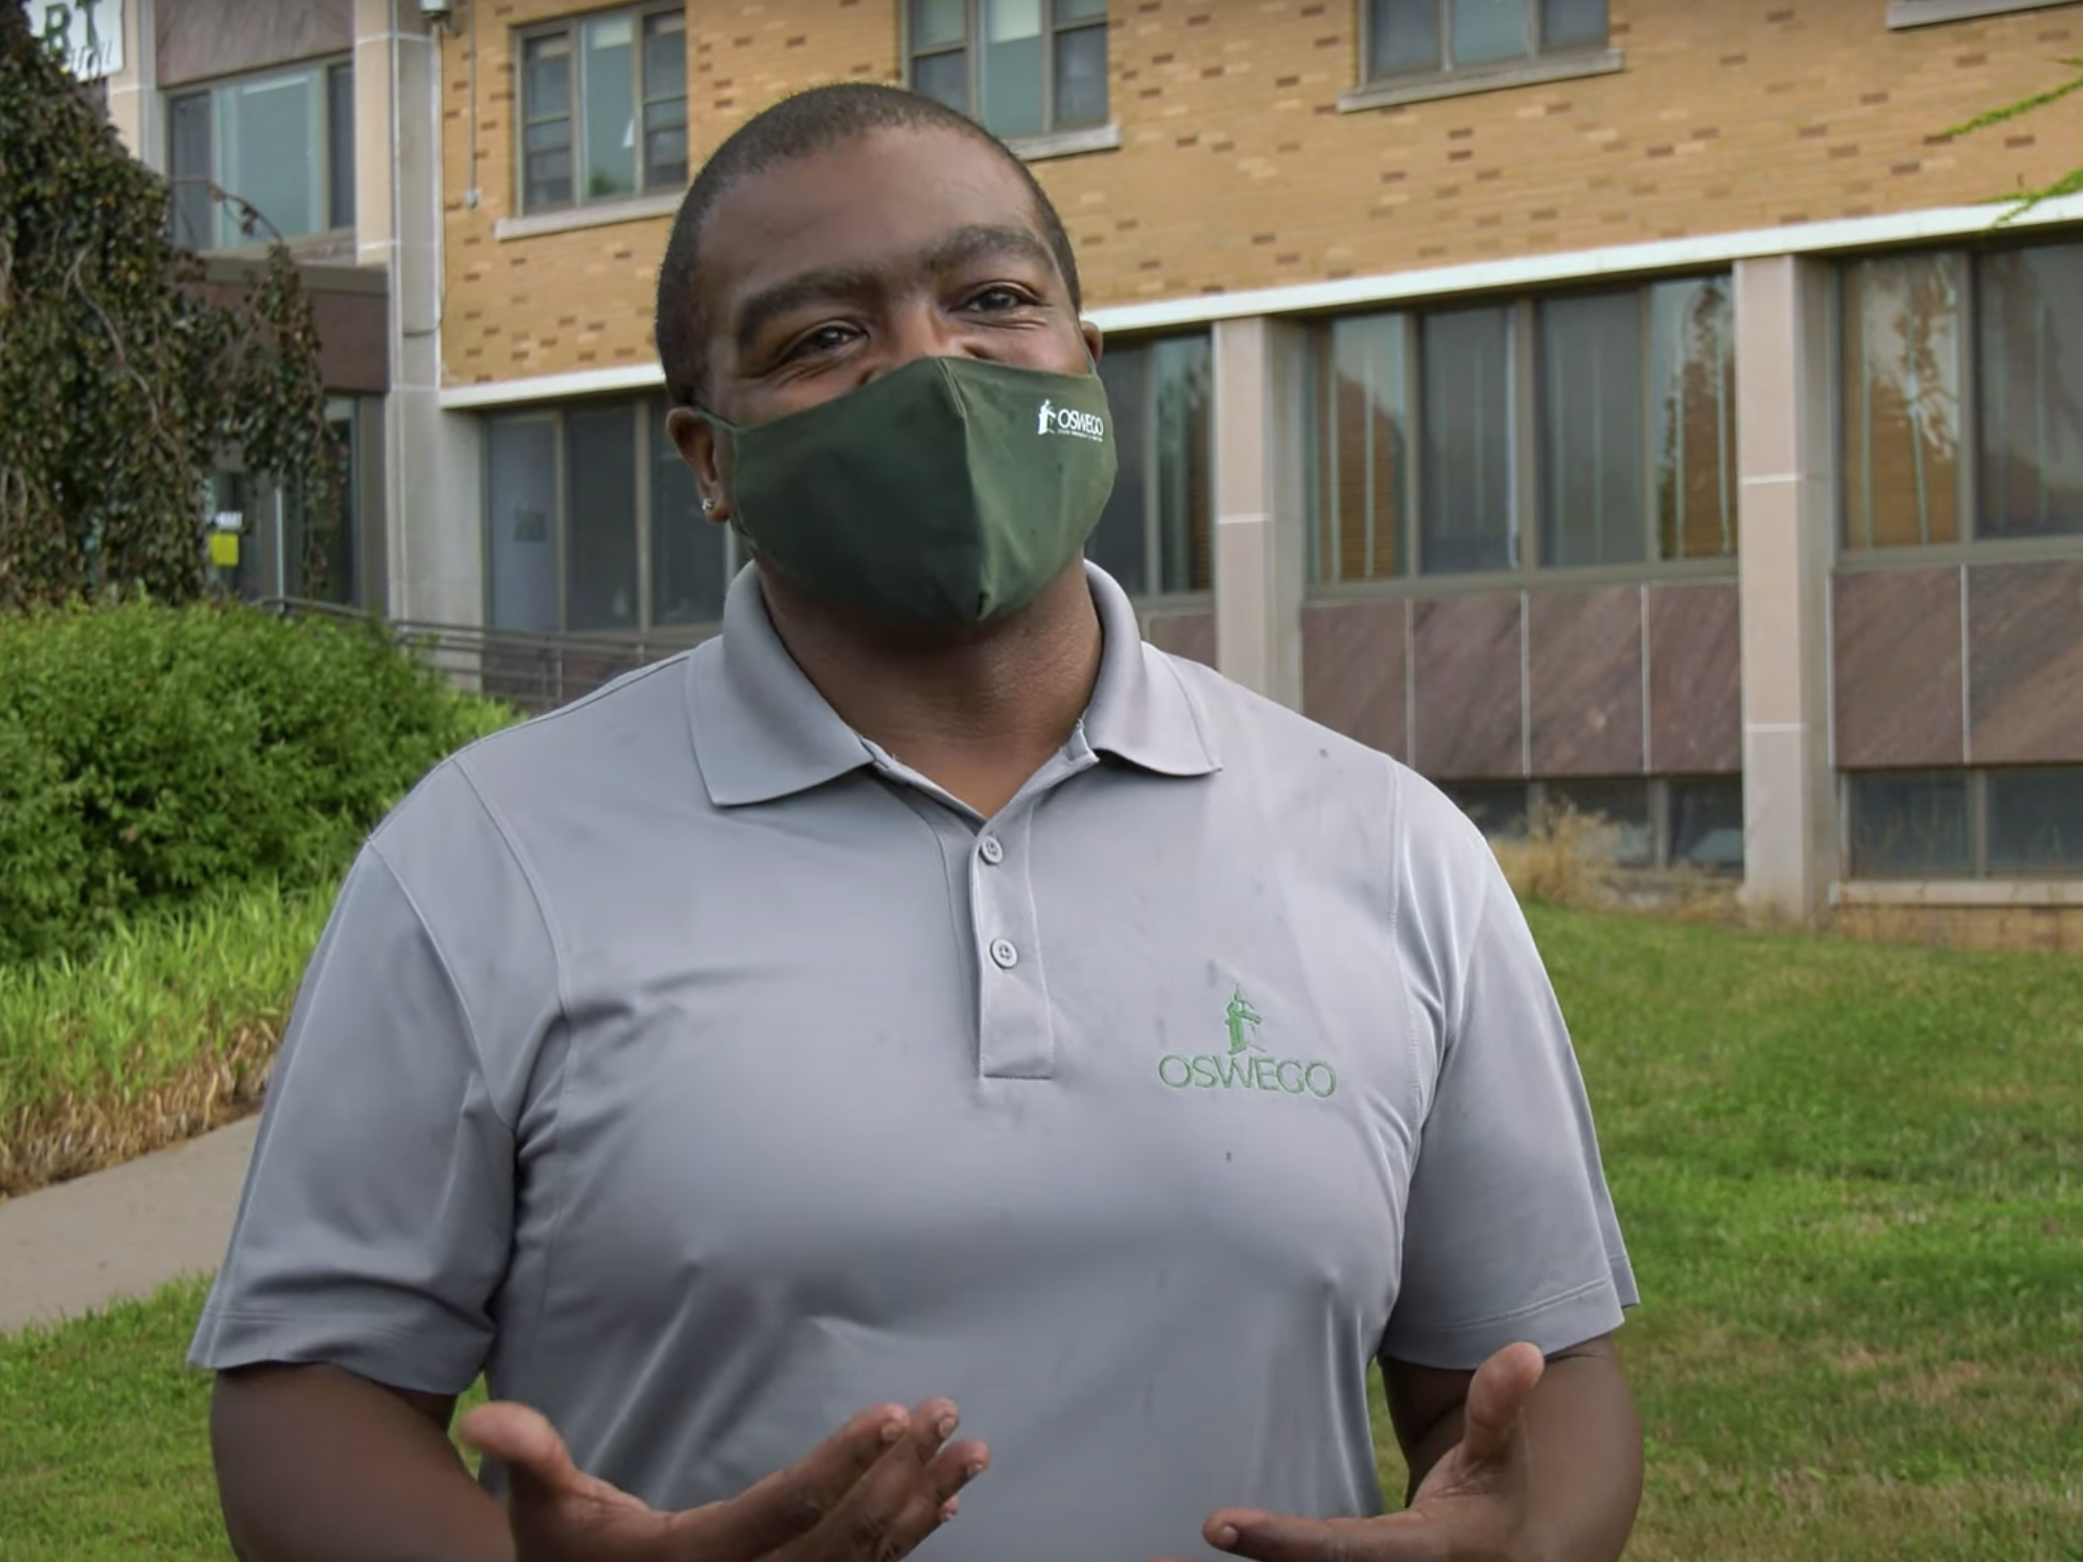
(925, 989)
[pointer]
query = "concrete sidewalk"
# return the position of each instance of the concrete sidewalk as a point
(121, 1233)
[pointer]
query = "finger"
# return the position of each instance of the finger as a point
(911, 1492)
(792, 1502)
(1271, 1537)
(1496, 1404)
(540, 1470)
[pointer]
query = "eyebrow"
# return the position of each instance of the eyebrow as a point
(964, 246)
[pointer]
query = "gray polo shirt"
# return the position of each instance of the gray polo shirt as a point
(704, 1076)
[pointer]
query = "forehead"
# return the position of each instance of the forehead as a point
(874, 201)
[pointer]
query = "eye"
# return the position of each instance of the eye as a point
(826, 338)
(998, 298)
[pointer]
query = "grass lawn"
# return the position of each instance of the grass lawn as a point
(1852, 1181)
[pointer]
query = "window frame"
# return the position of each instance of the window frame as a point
(1097, 135)
(1538, 55)
(1525, 403)
(1980, 827)
(1156, 593)
(1972, 545)
(1903, 14)
(569, 27)
(1660, 820)
(643, 410)
(323, 70)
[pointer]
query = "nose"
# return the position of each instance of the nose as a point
(919, 329)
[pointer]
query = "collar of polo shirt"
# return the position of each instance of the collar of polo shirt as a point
(763, 732)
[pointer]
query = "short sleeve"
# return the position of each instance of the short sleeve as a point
(1509, 1231)
(377, 1218)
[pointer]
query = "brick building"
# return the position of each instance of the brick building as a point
(1622, 402)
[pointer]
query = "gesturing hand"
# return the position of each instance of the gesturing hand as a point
(1471, 1507)
(870, 1493)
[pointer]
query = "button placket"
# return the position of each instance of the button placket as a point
(1015, 1028)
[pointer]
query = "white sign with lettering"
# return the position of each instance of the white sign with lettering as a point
(89, 33)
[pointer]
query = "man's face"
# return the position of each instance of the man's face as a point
(825, 272)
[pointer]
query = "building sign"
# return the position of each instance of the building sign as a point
(89, 33)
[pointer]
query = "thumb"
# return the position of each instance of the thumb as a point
(539, 1465)
(1497, 1401)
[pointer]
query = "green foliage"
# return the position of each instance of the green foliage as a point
(124, 387)
(2070, 183)
(150, 754)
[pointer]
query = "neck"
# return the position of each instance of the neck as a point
(976, 712)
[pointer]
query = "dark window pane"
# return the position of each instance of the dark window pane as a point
(188, 159)
(1068, 11)
(521, 512)
(2035, 821)
(1402, 35)
(1566, 23)
(1901, 400)
(1620, 806)
(665, 143)
(1707, 824)
(546, 77)
(340, 146)
(1909, 825)
(1486, 31)
(607, 89)
(1081, 76)
(1692, 388)
(600, 499)
(1009, 89)
(936, 24)
(1120, 543)
(665, 55)
(943, 77)
(665, 100)
(1591, 431)
(1497, 808)
(1467, 521)
(2030, 307)
(689, 552)
(318, 559)
(1181, 371)
(549, 180)
(1360, 472)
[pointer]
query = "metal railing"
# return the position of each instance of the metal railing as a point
(531, 672)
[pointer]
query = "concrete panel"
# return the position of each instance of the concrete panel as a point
(1895, 665)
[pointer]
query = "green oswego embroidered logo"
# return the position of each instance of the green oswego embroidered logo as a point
(1247, 1065)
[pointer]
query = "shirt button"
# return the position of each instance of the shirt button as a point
(989, 849)
(1004, 954)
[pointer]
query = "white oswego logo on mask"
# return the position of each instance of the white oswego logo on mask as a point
(1068, 420)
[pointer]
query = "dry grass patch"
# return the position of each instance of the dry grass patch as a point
(165, 1033)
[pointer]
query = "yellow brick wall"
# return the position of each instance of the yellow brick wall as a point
(1237, 171)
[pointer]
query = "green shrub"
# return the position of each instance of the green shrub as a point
(149, 754)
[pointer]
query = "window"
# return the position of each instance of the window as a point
(1684, 822)
(1018, 67)
(2009, 823)
(1962, 396)
(593, 525)
(603, 108)
(1411, 37)
(282, 142)
(1419, 463)
(1156, 536)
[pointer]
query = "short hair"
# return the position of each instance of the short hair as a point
(799, 126)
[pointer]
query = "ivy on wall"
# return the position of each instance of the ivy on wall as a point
(123, 389)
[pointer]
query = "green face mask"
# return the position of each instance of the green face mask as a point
(950, 491)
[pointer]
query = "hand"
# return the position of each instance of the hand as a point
(869, 1493)
(1471, 1506)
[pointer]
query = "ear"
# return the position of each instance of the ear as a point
(703, 448)
(1095, 341)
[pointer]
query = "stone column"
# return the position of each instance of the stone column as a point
(133, 92)
(1260, 380)
(433, 501)
(1786, 458)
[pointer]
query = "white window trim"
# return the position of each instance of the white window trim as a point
(1929, 13)
(601, 214)
(1563, 65)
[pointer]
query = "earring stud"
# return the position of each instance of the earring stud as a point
(708, 507)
